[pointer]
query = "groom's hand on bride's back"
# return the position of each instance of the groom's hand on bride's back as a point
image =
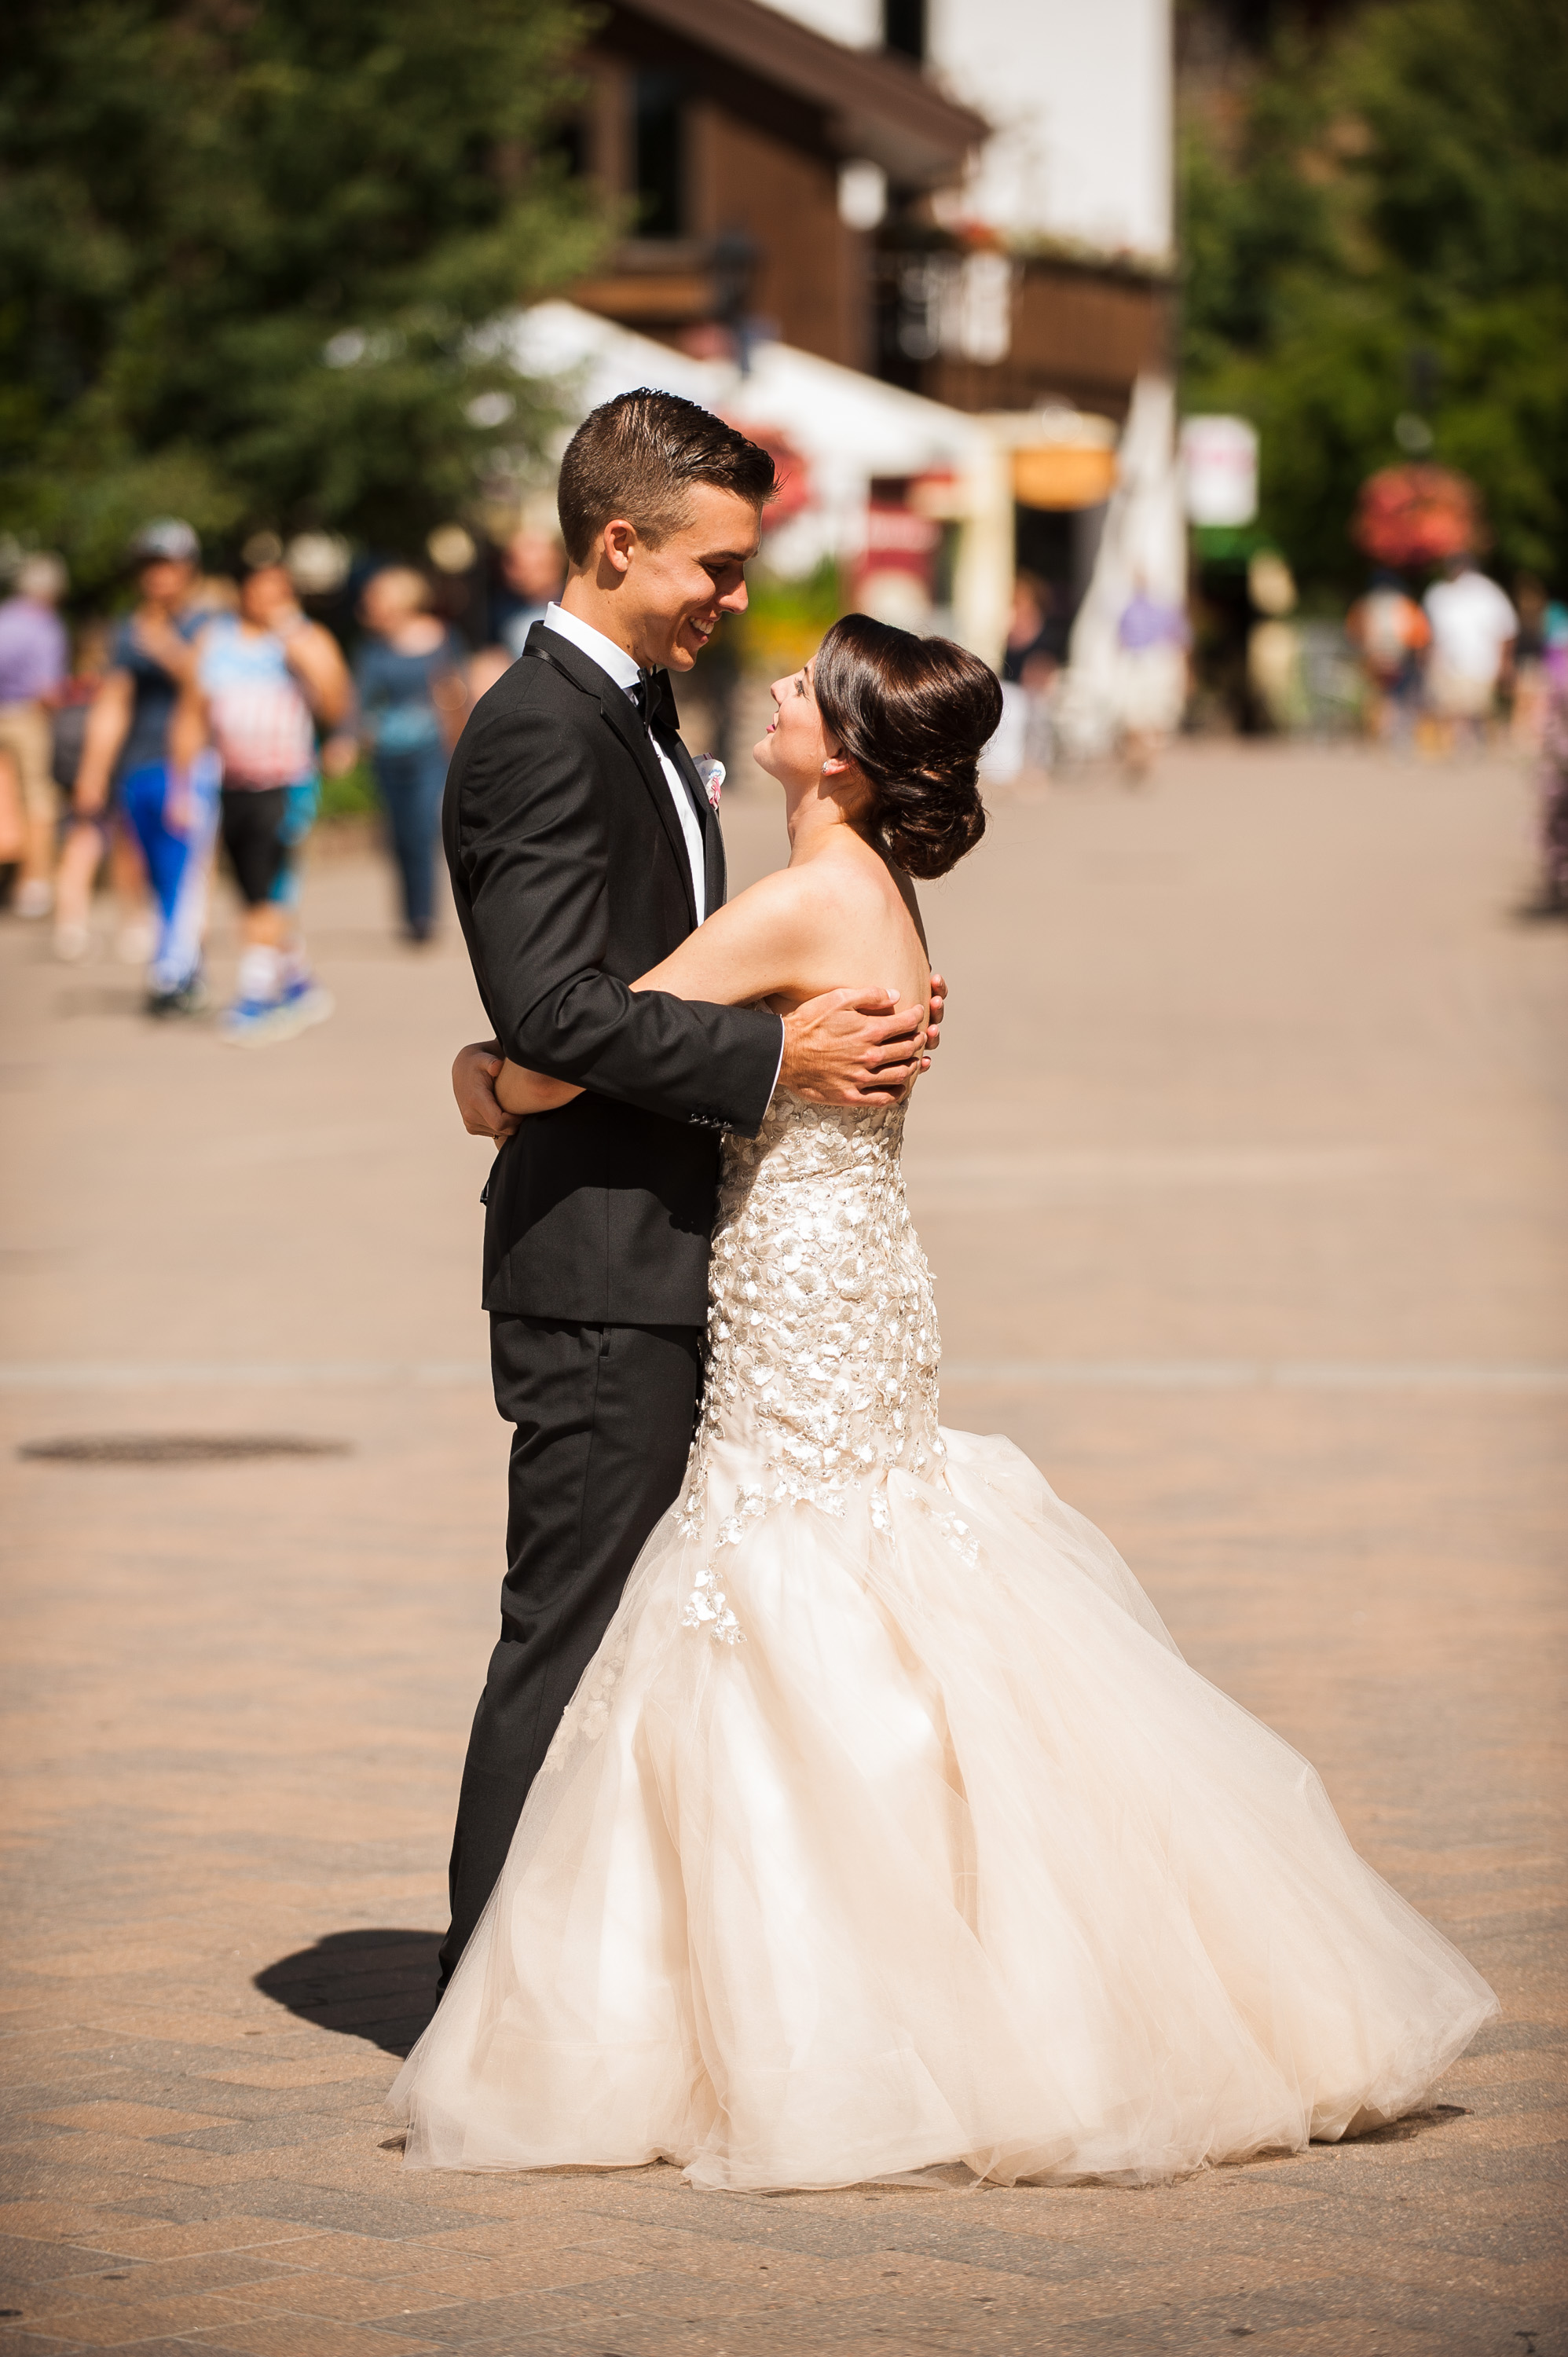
(853, 1047)
(475, 1070)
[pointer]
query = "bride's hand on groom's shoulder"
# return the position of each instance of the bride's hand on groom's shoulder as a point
(853, 1047)
(475, 1071)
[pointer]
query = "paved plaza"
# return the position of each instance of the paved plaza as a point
(1244, 1173)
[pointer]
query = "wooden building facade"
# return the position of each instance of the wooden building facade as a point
(722, 128)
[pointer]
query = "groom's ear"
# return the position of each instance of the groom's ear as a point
(617, 542)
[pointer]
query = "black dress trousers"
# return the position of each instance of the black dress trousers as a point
(604, 1419)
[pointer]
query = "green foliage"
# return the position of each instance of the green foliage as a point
(785, 620)
(352, 795)
(1381, 232)
(245, 248)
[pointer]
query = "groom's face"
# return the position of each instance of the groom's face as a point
(680, 586)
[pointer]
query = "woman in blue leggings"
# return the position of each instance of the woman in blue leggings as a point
(126, 779)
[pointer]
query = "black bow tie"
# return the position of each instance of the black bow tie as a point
(655, 699)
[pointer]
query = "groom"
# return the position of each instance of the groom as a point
(583, 851)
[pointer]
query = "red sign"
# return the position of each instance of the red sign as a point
(1418, 515)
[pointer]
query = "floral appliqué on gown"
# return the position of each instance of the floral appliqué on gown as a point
(887, 1828)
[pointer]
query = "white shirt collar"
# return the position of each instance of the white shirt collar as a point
(619, 666)
(622, 668)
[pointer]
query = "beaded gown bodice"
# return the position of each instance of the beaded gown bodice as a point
(822, 1342)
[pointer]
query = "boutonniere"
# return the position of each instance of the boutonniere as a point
(712, 774)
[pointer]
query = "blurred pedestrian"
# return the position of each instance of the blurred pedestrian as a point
(533, 568)
(13, 830)
(1472, 629)
(68, 733)
(125, 775)
(1553, 771)
(1542, 623)
(1275, 674)
(1036, 636)
(1153, 635)
(265, 676)
(483, 668)
(90, 668)
(413, 698)
(34, 661)
(1390, 634)
(1031, 661)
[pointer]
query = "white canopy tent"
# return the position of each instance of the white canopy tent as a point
(849, 428)
(1143, 546)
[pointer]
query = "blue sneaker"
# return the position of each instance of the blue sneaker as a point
(250, 1022)
(305, 1002)
(262, 1022)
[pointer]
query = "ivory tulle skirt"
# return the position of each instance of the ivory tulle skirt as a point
(952, 1859)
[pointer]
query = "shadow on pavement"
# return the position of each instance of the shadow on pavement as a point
(1414, 2124)
(376, 1985)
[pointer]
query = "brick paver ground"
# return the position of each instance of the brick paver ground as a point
(1243, 1175)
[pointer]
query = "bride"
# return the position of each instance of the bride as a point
(887, 1828)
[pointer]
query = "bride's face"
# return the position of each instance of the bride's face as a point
(795, 745)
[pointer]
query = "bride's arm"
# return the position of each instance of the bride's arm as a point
(757, 946)
(518, 1090)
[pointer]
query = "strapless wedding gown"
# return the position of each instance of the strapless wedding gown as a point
(887, 1828)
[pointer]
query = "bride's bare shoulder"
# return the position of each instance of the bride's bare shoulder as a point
(822, 895)
(858, 885)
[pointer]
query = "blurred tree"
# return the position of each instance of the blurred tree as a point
(245, 246)
(1375, 267)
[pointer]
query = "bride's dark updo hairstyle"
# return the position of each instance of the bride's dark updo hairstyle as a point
(913, 715)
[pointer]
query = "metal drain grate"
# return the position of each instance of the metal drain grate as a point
(176, 1447)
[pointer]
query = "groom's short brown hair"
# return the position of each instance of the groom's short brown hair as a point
(638, 456)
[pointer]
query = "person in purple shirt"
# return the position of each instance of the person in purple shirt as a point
(33, 662)
(1153, 635)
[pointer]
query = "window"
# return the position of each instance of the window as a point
(659, 143)
(904, 28)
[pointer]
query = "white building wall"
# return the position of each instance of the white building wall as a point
(1080, 92)
(857, 23)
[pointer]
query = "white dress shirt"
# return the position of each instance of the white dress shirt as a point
(624, 672)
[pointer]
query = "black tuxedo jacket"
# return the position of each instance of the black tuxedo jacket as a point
(571, 877)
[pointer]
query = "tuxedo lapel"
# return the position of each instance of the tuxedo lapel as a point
(622, 717)
(713, 861)
(707, 818)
